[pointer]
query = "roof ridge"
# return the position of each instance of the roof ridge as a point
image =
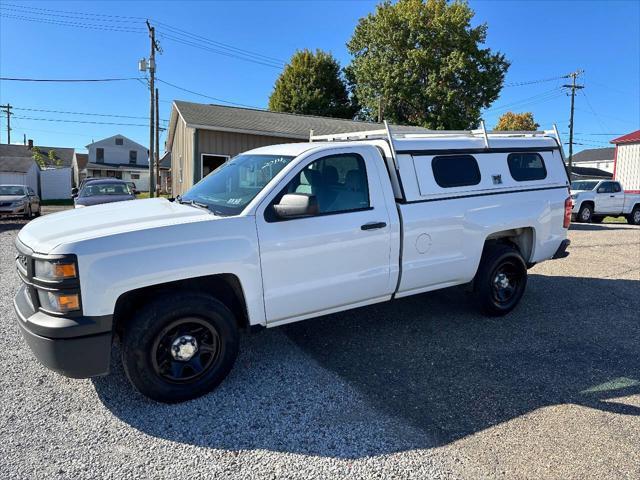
(279, 113)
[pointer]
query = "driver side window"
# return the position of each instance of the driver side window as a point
(338, 182)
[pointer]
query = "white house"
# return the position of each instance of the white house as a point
(119, 157)
(600, 158)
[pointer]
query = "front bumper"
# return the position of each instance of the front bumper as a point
(77, 347)
(12, 210)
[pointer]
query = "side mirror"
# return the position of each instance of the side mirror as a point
(294, 205)
(74, 192)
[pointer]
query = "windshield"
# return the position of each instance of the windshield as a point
(229, 188)
(93, 190)
(12, 190)
(583, 185)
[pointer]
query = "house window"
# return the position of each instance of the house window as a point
(100, 154)
(135, 176)
(119, 141)
(133, 156)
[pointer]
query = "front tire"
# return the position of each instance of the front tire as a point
(500, 281)
(585, 213)
(179, 347)
(634, 216)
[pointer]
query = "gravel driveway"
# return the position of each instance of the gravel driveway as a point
(422, 387)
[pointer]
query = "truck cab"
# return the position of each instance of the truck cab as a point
(593, 200)
(286, 233)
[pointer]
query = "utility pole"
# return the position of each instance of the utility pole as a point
(157, 147)
(7, 109)
(573, 88)
(152, 72)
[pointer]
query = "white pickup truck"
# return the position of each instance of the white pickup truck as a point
(595, 199)
(285, 233)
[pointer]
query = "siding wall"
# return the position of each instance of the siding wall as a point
(55, 183)
(184, 158)
(182, 155)
(628, 166)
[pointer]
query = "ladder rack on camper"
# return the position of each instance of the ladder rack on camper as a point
(390, 135)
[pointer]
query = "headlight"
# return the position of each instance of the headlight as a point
(56, 269)
(59, 302)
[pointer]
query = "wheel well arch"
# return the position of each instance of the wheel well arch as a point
(225, 287)
(522, 238)
(587, 202)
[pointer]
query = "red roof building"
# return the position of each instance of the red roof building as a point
(626, 162)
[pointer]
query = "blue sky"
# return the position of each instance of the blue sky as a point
(542, 39)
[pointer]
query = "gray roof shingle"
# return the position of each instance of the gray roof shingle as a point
(266, 122)
(62, 153)
(594, 155)
(15, 164)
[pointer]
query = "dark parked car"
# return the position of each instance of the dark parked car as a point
(96, 192)
(19, 200)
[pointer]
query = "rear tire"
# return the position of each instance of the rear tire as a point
(585, 214)
(500, 281)
(634, 217)
(179, 347)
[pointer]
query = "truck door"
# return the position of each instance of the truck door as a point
(618, 198)
(337, 257)
(605, 199)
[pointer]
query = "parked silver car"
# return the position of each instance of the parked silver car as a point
(108, 190)
(19, 200)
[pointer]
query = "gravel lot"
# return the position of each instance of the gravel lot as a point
(418, 388)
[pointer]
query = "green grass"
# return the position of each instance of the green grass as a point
(146, 195)
(63, 201)
(614, 220)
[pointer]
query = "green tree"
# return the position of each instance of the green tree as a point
(517, 122)
(53, 159)
(425, 64)
(38, 157)
(312, 84)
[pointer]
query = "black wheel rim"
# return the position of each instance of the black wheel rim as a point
(185, 350)
(506, 282)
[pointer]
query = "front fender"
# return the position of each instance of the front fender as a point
(113, 265)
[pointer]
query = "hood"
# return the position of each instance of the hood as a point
(47, 232)
(99, 199)
(11, 198)
(576, 192)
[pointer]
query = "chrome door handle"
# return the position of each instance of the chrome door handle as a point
(373, 225)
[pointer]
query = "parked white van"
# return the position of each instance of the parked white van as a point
(286, 233)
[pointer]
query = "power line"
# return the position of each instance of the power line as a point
(71, 24)
(81, 113)
(532, 82)
(66, 80)
(84, 121)
(219, 52)
(208, 96)
(199, 38)
(534, 99)
(73, 13)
